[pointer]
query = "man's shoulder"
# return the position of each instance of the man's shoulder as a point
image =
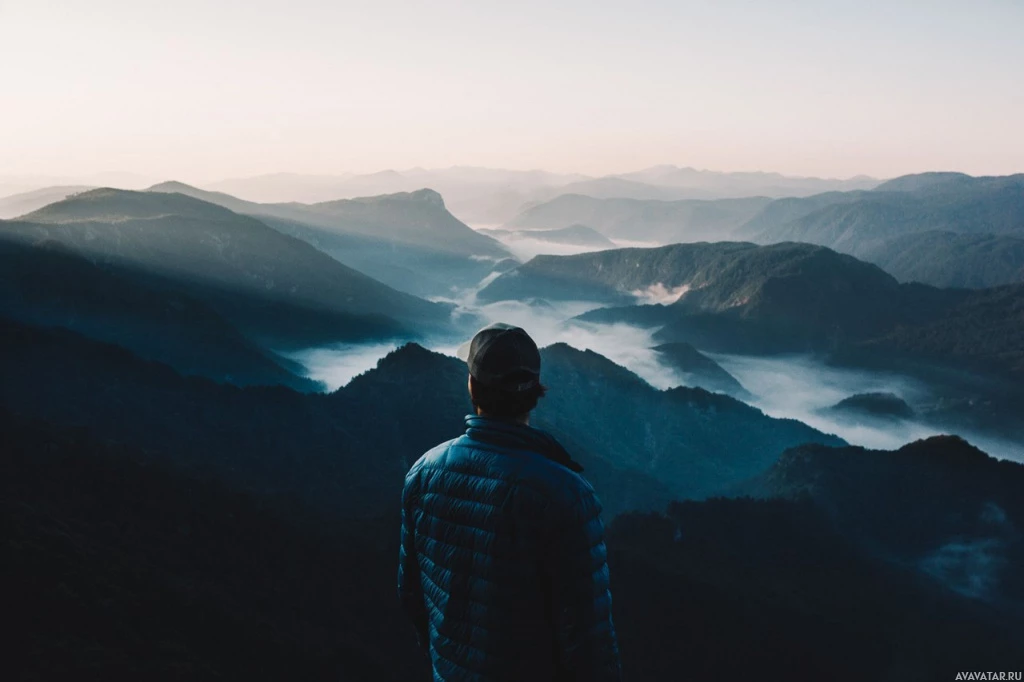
(530, 469)
(432, 458)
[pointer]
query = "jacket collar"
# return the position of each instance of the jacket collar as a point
(512, 434)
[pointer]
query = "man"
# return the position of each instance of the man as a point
(503, 567)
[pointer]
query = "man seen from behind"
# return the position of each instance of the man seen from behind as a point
(503, 567)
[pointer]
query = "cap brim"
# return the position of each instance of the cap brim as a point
(462, 352)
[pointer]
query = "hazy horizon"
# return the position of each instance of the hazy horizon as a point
(117, 178)
(200, 92)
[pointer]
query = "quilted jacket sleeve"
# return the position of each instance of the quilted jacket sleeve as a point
(410, 589)
(580, 594)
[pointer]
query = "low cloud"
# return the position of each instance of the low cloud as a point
(801, 387)
(970, 567)
(525, 248)
(659, 293)
(337, 365)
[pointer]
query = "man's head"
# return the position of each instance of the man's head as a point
(504, 372)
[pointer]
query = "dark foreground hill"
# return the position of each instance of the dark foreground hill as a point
(158, 526)
(642, 446)
(275, 288)
(119, 567)
(745, 589)
(940, 506)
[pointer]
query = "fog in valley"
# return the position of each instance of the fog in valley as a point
(799, 387)
(791, 387)
(524, 248)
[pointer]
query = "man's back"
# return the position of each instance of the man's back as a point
(503, 565)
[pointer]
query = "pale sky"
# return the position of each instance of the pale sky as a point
(202, 90)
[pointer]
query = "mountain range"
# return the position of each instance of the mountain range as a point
(642, 446)
(938, 201)
(735, 297)
(489, 196)
(14, 205)
(737, 184)
(479, 195)
(944, 229)
(276, 289)
(233, 530)
(403, 240)
(687, 220)
(740, 297)
(735, 280)
(178, 501)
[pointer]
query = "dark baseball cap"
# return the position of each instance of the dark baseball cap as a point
(502, 356)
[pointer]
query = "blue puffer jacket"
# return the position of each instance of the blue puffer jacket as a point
(503, 567)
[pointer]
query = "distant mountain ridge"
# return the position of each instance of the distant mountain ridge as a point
(416, 217)
(478, 195)
(491, 196)
(403, 240)
(736, 184)
(914, 225)
(19, 204)
(273, 286)
(687, 220)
